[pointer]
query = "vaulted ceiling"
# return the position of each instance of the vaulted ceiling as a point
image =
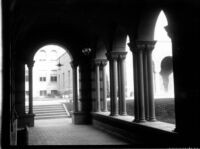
(78, 22)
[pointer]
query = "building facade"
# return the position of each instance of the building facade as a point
(52, 76)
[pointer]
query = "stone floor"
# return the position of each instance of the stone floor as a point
(63, 132)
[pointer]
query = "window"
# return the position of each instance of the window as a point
(42, 79)
(54, 92)
(53, 79)
(43, 92)
(42, 55)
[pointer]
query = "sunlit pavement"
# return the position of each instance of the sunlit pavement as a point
(63, 132)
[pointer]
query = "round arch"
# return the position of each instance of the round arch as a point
(119, 39)
(100, 50)
(53, 43)
(146, 25)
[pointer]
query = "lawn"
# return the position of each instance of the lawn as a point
(164, 109)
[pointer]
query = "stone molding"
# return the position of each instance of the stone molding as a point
(141, 45)
(116, 55)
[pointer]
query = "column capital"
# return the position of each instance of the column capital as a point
(122, 55)
(136, 46)
(30, 64)
(103, 62)
(97, 62)
(74, 64)
(116, 55)
(112, 55)
(141, 45)
(150, 45)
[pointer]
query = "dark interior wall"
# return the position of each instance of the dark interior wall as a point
(183, 28)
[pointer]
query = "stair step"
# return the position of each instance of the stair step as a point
(53, 117)
(49, 111)
(52, 113)
(42, 107)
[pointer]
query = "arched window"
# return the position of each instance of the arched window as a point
(129, 71)
(163, 72)
(129, 79)
(108, 84)
(52, 55)
(42, 55)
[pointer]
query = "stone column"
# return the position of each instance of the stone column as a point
(83, 116)
(30, 74)
(140, 48)
(119, 87)
(98, 101)
(121, 78)
(112, 57)
(74, 66)
(19, 88)
(103, 65)
(137, 49)
(30, 116)
(149, 48)
(146, 89)
(135, 81)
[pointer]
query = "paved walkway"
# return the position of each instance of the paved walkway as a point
(63, 132)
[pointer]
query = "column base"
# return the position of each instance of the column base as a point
(81, 118)
(29, 119)
(152, 119)
(123, 114)
(22, 136)
(105, 111)
(139, 121)
(21, 121)
(114, 114)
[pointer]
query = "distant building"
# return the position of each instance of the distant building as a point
(49, 78)
(64, 76)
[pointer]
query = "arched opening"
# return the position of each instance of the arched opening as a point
(108, 84)
(163, 72)
(129, 79)
(52, 86)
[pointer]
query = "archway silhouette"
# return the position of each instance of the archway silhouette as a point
(163, 72)
(52, 82)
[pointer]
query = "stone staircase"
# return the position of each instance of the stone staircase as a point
(49, 111)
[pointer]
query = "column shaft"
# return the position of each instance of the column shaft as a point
(136, 96)
(75, 89)
(122, 84)
(111, 87)
(98, 102)
(115, 105)
(30, 89)
(119, 88)
(20, 88)
(104, 88)
(113, 83)
(141, 86)
(146, 95)
(150, 82)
